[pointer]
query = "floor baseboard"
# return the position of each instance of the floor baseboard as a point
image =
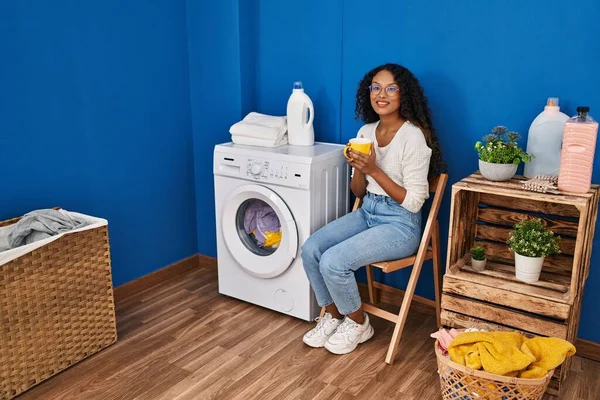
(588, 349)
(137, 285)
(385, 294)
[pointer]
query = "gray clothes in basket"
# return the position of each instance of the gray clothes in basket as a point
(37, 225)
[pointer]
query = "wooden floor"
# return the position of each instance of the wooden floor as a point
(182, 340)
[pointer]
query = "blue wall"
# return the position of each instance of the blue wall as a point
(114, 109)
(302, 44)
(481, 63)
(216, 98)
(95, 117)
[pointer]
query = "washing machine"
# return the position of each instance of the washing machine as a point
(297, 188)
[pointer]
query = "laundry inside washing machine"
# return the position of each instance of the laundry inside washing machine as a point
(258, 227)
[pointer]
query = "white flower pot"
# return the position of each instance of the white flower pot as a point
(528, 269)
(478, 265)
(497, 172)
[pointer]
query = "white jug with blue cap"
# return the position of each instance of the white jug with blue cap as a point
(300, 117)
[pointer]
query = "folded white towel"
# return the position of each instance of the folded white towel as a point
(260, 126)
(250, 141)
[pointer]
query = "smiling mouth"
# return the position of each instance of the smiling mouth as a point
(382, 104)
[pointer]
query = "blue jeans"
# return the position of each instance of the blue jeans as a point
(381, 230)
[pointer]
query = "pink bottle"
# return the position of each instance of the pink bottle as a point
(577, 153)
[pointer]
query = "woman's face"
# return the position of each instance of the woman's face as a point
(385, 93)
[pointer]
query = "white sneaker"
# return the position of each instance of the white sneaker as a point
(349, 335)
(326, 326)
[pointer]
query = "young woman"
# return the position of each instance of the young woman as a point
(393, 184)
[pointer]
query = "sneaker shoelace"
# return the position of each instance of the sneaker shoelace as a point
(347, 325)
(321, 322)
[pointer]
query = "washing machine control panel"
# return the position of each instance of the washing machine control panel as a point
(267, 170)
(257, 169)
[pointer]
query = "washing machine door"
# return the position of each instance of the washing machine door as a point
(259, 231)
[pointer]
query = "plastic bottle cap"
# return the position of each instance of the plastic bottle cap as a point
(583, 109)
(298, 85)
(552, 102)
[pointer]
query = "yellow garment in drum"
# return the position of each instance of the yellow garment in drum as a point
(272, 239)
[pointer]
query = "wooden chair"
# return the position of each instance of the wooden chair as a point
(426, 251)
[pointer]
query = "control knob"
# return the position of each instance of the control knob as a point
(256, 169)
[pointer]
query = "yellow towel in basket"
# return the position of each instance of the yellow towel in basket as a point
(509, 353)
(495, 352)
(549, 353)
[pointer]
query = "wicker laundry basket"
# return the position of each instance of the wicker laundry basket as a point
(461, 383)
(56, 308)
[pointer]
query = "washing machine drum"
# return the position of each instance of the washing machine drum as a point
(259, 231)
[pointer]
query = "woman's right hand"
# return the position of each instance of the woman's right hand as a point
(358, 184)
(351, 160)
(348, 153)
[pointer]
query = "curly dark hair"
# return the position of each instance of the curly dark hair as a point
(413, 108)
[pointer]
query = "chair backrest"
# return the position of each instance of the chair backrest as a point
(436, 186)
(433, 185)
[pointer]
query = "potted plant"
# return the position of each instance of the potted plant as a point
(531, 242)
(500, 155)
(478, 258)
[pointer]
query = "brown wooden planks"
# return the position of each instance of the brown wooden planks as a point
(591, 229)
(269, 356)
(501, 315)
(462, 220)
(462, 321)
(510, 218)
(559, 264)
(553, 387)
(547, 280)
(515, 185)
(514, 189)
(501, 234)
(574, 321)
(506, 280)
(582, 234)
(505, 298)
(532, 205)
(494, 296)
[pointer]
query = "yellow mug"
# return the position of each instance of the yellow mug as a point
(361, 145)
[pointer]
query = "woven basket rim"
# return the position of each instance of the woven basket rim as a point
(486, 375)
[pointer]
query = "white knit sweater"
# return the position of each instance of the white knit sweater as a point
(405, 160)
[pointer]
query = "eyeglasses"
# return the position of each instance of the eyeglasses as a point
(390, 91)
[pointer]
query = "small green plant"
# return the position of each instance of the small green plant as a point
(478, 253)
(501, 147)
(531, 238)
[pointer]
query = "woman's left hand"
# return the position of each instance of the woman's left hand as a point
(365, 163)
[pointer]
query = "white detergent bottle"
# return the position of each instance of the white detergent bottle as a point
(300, 116)
(544, 140)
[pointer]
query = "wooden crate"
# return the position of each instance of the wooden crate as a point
(483, 213)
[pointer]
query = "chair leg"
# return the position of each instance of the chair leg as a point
(437, 272)
(370, 281)
(403, 314)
